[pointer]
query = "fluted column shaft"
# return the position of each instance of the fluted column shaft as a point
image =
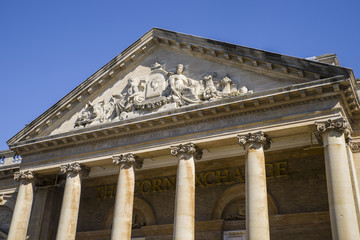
(71, 200)
(20, 219)
(341, 200)
(123, 210)
(184, 214)
(257, 216)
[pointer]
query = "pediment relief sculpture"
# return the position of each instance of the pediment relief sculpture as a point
(157, 91)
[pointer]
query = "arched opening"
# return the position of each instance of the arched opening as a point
(143, 215)
(230, 205)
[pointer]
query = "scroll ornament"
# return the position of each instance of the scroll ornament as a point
(189, 148)
(258, 137)
(75, 168)
(127, 161)
(24, 175)
(339, 125)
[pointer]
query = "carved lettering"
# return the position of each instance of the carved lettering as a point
(168, 183)
(198, 179)
(238, 176)
(281, 169)
(156, 185)
(146, 186)
(222, 177)
(203, 179)
(206, 180)
(109, 191)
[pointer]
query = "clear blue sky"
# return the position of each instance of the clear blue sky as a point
(47, 48)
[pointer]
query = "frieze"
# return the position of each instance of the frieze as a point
(159, 90)
(189, 148)
(258, 137)
(127, 161)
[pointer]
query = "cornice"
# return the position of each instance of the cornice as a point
(190, 115)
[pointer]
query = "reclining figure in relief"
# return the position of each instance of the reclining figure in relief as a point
(184, 90)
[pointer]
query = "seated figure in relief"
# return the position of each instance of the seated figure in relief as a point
(183, 89)
(135, 95)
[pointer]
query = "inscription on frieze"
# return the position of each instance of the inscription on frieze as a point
(202, 179)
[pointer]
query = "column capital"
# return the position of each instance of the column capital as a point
(128, 160)
(188, 148)
(24, 175)
(74, 167)
(251, 138)
(338, 124)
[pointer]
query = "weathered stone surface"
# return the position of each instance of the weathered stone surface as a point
(170, 88)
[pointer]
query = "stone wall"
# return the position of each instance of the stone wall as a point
(296, 185)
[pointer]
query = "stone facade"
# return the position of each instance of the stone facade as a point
(181, 137)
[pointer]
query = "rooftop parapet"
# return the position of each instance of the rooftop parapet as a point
(9, 160)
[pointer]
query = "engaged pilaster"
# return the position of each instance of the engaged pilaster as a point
(123, 210)
(341, 200)
(20, 219)
(184, 218)
(71, 200)
(257, 217)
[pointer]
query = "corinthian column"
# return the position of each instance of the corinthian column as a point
(184, 219)
(341, 200)
(71, 200)
(123, 210)
(21, 215)
(257, 216)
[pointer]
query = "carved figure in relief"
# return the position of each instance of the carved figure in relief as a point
(230, 89)
(158, 89)
(134, 94)
(119, 104)
(100, 111)
(210, 92)
(183, 88)
(86, 116)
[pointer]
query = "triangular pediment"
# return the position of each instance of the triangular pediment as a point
(146, 79)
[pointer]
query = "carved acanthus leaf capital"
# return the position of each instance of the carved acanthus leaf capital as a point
(189, 148)
(24, 175)
(127, 161)
(338, 124)
(74, 168)
(258, 137)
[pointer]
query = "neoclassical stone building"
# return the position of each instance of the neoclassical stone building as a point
(182, 137)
